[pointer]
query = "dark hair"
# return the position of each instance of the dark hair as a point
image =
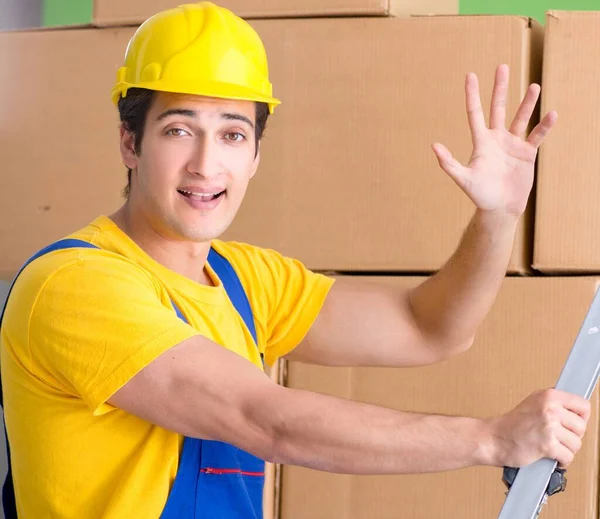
(133, 111)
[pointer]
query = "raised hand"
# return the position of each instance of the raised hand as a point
(499, 174)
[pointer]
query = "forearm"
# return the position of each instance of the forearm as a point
(449, 306)
(336, 435)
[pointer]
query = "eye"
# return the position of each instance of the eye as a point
(177, 132)
(235, 137)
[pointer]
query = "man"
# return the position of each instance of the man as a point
(132, 362)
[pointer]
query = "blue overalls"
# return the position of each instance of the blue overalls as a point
(214, 479)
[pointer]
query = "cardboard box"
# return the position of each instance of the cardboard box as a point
(20, 14)
(30, 14)
(567, 210)
(131, 12)
(60, 158)
(521, 348)
(348, 180)
(272, 471)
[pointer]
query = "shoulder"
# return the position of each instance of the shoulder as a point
(63, 277)
(236, 251)
(270, 272)
(251, 260)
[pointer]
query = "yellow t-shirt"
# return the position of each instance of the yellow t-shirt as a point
(81, 322)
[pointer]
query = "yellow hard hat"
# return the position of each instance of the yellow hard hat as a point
(200, 49)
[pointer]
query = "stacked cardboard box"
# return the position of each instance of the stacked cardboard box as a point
(19, 14)
(60, 156)
(567, 209)
(118, 12)
(348, 180)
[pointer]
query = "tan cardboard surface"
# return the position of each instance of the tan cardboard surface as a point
(272, 471)
(59, 139)
(521, 348)
(567, 209)
(131, 12)
(348, 180)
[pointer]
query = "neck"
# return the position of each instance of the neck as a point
(184, 257)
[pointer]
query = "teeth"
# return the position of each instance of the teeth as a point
(203, 195)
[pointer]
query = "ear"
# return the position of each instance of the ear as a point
(128, 153)
(255, 163)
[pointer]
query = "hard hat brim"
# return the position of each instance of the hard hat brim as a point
(206, 89)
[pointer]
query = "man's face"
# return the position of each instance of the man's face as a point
(197, 157)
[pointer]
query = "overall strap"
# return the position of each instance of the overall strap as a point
(234, 289)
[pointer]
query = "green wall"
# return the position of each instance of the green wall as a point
(533, 8)
(67, 12)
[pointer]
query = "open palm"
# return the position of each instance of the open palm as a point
(499, 174)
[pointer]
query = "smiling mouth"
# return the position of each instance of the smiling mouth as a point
(203, 197)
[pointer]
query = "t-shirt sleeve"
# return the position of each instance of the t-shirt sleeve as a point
(286, 297)
(96, 323)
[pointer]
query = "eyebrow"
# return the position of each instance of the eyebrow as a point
(230, 116)
(237, 117)
(177, 111)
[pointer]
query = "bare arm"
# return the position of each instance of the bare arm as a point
(380, 326)
(369, 324)
(450, 306)
(343, 436)
(202, 390)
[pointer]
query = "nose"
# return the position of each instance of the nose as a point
(205, 160)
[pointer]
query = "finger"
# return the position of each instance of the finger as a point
(474, 110)
(539, 133)
(569, 439)
(574, 403)
(499, 96)
(562, 454)
(448, 163)
(571, 442)
(573, 422)
(525, 111)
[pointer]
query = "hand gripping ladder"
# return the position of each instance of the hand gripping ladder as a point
(529, 487)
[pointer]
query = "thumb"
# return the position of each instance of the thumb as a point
(448, 163)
